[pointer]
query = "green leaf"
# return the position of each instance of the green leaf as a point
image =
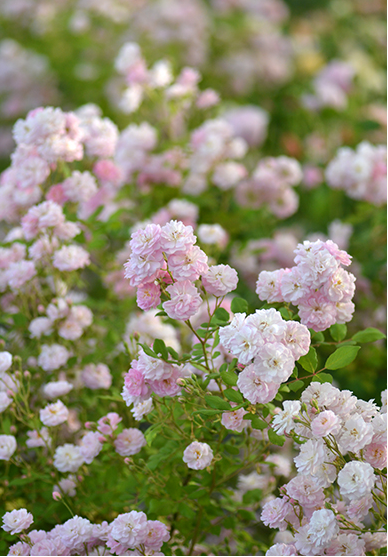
(368, 335)
(275, 438)
(221, 314)
(239, 305)
(258, 423)
(295, 386)
(338, 331)
(173, 353)
(285, 313)
(207, 412)
(217, 403)
(20, 319)
(317, 336)
(234, 396)
(229, 378)
(161, 314)
(323, 378)
(152, 432)
(342, 357)
(160, 348)
(199, 366)
(309, 362)
(148, 350)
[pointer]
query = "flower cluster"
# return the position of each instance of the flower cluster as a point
(318, 285)
(331, 86)
(268, 347)
(361, 173)
(70, 320)
(162, 256)
(342, 442)
(130, 531)
(272, 185)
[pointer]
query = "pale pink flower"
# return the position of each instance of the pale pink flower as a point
(148, 296)
(312, 455)
(70, 258)
(297, 338)
(356, 480)
(281, 549)
(68, 458)
(268, 286)
(274, 362)
(129, 529)
(185, 301)
(135, 382)
(177, 237)
(90, 446)
(245, 344)
(19, 273)
(316, 312)
(53, 357)
(168, 385)
(16, 521)
(198, 455)
(40, 326)
(274, 512)
(376, 455)
(234, 420)
(80, 186)
(283, 422)
(157, 534)
(7, 446)
(5, 361)
(5, 401)
(96, 376)
(54, 414)
(188, 265)
(75, 532)
(129, 442)
(326, 423)
(142, 408)
(220, 280)
(355, 434)
(306, 490)
(109, 423)
(39, 438)
(357, 509)
(255, 389)
(347, 544)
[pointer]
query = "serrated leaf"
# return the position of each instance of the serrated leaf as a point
(309, 362)
(221, 314)
(295, 386)
(342, 357)
(234, 396)
(368, 335)
(338, 331)
(239, 305)
(229, 378)
(275, 438)
(217, 403)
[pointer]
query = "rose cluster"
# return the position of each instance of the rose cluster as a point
(272, 185)
(268, 347)
(166, 259)
(342, 443)
(131, 531)
(361, 173)
(318, 285)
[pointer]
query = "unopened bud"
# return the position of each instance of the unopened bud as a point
(80, 478)
(57, 496)
(41, 308)
(27, 374)
(181, 382)
(88, 425)
(13, 429)
(102, 439)
(17, 374)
